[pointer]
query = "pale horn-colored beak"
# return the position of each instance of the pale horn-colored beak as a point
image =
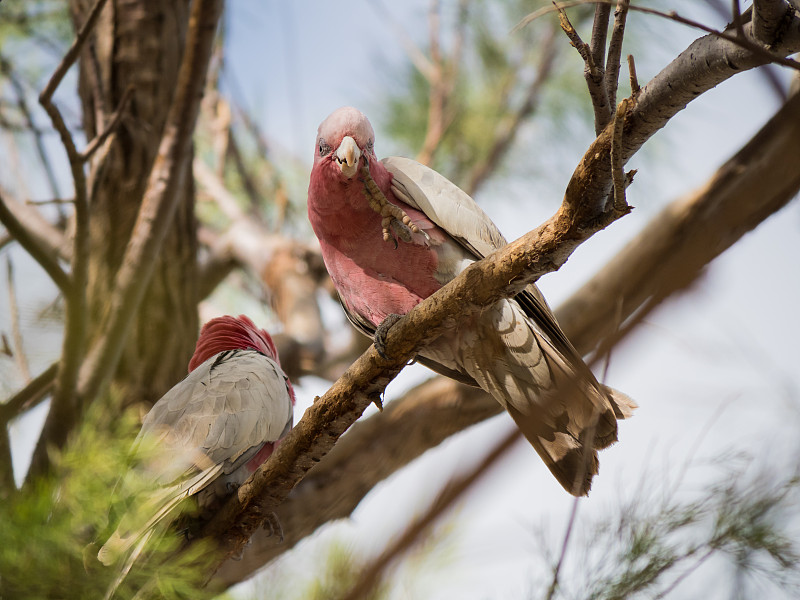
(348, 154)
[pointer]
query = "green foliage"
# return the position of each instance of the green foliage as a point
(53, 528)
(493, 76)
(651, 545)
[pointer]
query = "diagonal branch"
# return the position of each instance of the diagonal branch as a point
(504, 273)
(29, 396)
(36, 245)
(371, 575)
(615, 51)
(667, 255)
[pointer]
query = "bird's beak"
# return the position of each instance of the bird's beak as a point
(348, 154)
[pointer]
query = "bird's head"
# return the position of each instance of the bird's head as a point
(344, 140)
(231, 333)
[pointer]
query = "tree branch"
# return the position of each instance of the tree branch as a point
(30, 395)
(615, 51)
(155, 215)
(33, 241)
(768, 17)
(666, 256)
(64, 411)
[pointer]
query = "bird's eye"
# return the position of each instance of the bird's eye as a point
(323, 148)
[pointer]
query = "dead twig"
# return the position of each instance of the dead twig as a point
(110, 128)
(617, 173)
(673, 16)
(16, 332)
(592, 72)
(33, 245)
(615, 50)
(634, 80)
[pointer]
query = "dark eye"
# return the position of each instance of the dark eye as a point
(323, 148)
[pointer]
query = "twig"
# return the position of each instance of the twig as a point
(155, 215)
(111, 127)
(507, 132)
(564, 544)
(30, 395)
(602, 13)
(575, 39)
(456, 488)
(22, 103)
(437, 94)
(34, 246)
(592, 72)
(160, 199)
(667, 590)
(13, 314)
(633, 78)
(72, 54)
(63, 408)
(415, 55)
(617, 173)
(615, 50)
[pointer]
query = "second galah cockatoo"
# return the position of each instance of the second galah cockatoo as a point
(389, 248)
(207, 434)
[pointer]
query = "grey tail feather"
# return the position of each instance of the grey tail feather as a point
(126, 568)
(572, 462)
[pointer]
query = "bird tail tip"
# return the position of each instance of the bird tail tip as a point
(623, 404)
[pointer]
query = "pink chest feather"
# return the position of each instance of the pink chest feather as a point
(373, 277)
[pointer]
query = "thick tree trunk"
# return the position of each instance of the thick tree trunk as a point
(138, 44)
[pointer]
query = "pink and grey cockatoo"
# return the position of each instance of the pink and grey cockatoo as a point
(207, 434)
(385, 258)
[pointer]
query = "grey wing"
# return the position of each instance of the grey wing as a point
(444, 203)
(221, 414)
(452, 209)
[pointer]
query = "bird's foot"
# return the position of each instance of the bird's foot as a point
(393, 217)
(273, 525)
(382, 331)
(240, 553)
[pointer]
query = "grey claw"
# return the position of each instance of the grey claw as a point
(380, 334)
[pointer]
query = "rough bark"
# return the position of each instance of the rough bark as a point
(139, 43)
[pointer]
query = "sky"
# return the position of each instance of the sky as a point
(714, 372)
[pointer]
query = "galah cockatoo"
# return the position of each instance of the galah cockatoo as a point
(207, 434)
(386, 253)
